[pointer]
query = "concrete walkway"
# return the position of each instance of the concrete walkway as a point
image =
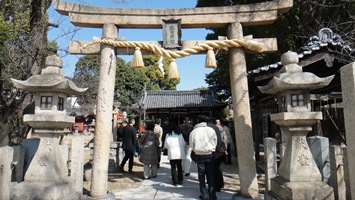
(161, 187)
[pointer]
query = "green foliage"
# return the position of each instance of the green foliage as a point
(52, 48)
(129, 82)
(17, 13)
(14, 45)
(86, 75)
(5, 30)
(201, 88)
(156, 79)
(226, 111)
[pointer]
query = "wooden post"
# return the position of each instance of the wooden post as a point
(241, 113)
(104, 107)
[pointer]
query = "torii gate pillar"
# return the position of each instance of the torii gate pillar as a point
(241, 113)
(103, 130)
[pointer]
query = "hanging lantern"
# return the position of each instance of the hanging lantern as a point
(210, 59)
(173, 70)
(137, 61)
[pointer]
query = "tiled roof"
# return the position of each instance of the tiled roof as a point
(154, 99)
(325, 39)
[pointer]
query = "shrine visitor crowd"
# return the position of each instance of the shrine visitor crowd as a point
(208, 143)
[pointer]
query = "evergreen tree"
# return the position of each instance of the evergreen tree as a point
(129, 83)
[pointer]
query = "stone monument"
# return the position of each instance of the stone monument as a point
(46, 173)
(299, 177)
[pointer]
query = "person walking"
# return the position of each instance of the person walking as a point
(159, 130)
(149, 141)
(166, 129)
(128, 140)
(186, 128)
(220, 155)
(119, 130)
(119, 137)
(203, 141)
(230, 143)
(174, 143)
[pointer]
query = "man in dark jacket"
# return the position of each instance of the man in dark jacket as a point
(119, 130)
(118, 138)
(128, 140)
(218, 157)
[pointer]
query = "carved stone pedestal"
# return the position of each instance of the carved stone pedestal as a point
(283, 189)
(299, 177)
(46, 175)
(60, 189)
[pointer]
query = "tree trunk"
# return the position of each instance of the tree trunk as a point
(12, 127)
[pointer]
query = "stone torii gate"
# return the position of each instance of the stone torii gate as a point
(232, 17)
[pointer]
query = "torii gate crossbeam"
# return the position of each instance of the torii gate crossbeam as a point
(205, 17)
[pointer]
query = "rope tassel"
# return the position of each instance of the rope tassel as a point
(210, 59)
(137, 61)
(173, 70)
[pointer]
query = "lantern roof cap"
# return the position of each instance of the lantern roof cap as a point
(51, 79)
(292, 77)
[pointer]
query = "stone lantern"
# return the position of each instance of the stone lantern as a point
(299, 177)
(46, 173)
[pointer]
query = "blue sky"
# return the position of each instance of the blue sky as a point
(191, 69)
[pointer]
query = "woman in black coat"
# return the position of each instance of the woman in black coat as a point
(149, 155)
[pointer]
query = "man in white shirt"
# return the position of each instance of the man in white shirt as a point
(203, 141)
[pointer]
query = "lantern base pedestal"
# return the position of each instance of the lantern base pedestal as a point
(284, 189)
(61, 189)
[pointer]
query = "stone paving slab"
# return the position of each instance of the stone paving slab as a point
(161, 187)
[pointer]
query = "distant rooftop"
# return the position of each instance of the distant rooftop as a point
(180, 99)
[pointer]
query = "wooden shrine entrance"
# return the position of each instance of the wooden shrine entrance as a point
(172, 21)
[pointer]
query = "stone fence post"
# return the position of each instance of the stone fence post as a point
(348, 93)
(18, 161)
(319, 147)
(270, 163)
(346, 172)
(77, 163)
(337, 172)
(6, 156)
